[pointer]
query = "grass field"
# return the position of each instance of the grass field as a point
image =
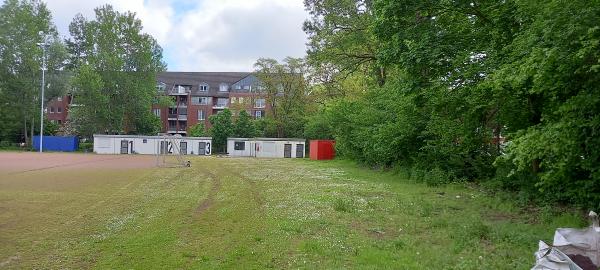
(99, 212)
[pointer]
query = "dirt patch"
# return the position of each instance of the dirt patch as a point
(22, 162)
(9, 260)
(497, 216)
(210, 199)
(374, 232)
(254, 190)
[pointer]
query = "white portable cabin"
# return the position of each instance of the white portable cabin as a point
(266, 147)
(149, 145)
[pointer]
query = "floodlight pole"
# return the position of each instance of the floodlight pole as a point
(44, 46)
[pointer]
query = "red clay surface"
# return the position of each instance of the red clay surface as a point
(20, 162)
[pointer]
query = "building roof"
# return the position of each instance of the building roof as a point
(267, 139)
(194, 79)
(150, 137)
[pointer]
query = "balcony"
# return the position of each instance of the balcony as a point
(182, 117)
(180, 90)
(172, 116)
(219, 106)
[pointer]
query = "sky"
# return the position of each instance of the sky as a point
(207, 35)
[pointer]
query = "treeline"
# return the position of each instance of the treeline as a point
(106, 63)
(110, 66)
(506, 93)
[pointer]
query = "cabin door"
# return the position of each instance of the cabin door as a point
(287, 150)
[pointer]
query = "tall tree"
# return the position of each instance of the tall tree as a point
(504, 90)
(115, 67)
(243, 126)
(341, 41)
(221, 129)
(286, 92)
(21, 21)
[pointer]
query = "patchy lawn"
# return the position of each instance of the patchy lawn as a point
(258, 213)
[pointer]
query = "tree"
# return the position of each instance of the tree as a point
(286, 93)
(506, 92)
(20, 66)
(244, 127)
(115, 68)
(222, 128)
(198, 130)
(341, 41)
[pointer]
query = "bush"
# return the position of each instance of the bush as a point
(86, 147)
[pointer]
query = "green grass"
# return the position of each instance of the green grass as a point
(259, 213)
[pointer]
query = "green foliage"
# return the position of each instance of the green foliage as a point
(20, 66)
(164, 101)
(50, 128)
(221, 129)
(115, 68)
(265, 127)
(244, 127)
(286, 94)
(146, 123)
(198, 130)
(86, 147)
(318, 126)
(475, 91)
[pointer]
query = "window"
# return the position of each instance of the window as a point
(160, 87)
(238, 87)
(60, 122)
(239, 145)
(201, 115)
(222, 102)
(59, 98)
(51, 109)
(59, 109)
(223, 87)
(233, 99)
(247, 87)
(258, 114)
(145, 141)
(200, 100)
(259, 103)
(241, 100)
(156, 112)
(203, 87)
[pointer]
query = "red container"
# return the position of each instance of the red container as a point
(322, 149)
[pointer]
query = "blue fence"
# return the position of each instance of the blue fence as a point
(57, 143)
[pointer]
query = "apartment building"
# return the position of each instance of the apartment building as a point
(57, 109)
(198, 95)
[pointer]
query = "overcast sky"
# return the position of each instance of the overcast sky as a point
(207, 35)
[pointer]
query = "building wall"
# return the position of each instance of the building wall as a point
(148, 145)
(53, 107)
(266, 148)
(237, 85)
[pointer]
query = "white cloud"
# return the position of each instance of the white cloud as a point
(229, 35)
(207, 35)
(156, 15)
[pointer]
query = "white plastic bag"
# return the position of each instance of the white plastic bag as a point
(570, 241)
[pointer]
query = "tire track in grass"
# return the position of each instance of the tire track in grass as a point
(210, 199)
(208, 224)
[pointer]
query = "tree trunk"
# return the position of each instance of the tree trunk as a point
(25, 130)
(32, 129)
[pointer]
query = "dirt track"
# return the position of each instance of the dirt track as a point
(20, 162)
